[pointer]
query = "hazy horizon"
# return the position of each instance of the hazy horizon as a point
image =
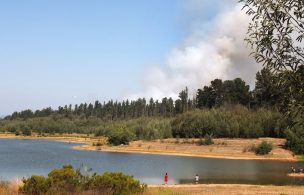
(68, 52)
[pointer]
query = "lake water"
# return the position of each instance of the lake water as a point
(19, 158)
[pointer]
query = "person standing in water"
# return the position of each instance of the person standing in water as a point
(166, 178)
(196, 178)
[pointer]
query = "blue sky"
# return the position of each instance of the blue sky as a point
(56, 52)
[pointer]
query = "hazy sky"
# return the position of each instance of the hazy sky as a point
(56, 52)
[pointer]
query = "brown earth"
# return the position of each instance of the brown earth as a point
(222, 148)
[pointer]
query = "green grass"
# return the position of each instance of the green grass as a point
(301, 158)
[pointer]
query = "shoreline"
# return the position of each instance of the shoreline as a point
(180, 154)
(296, 174)
(86, 144)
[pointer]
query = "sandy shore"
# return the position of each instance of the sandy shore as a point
(224, 189)
(222, 148)
(296, 174)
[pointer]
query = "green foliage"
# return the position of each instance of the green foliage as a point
(97, 143)
(295, 139)
(275, 35)
(35, 185)
(66, 180)
(118, 137)
(233, 121)
(219, 93)
(208, 140)
(115, 183)
(26, 131)
(263, 148)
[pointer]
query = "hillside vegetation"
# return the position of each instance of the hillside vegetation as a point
(222, 109)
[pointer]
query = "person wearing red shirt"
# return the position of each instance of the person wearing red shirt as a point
(166, 178)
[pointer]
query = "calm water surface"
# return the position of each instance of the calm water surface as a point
(19, 158)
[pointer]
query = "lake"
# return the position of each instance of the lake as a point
(21, 158)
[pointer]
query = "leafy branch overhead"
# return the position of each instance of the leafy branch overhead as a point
(276, 36)
(276, 32)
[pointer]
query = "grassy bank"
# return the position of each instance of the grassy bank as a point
(205, 189)
(301, 158)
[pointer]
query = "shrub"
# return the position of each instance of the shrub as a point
(295, 139)
(26, 131)
(263, 148)
(97, 143)
(100, 132)
(250, 148)
(119, 137)
(35, 185)
(115, 183)
(208, 140)
(66, 180)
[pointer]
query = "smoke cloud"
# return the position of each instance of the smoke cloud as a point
(212, 50)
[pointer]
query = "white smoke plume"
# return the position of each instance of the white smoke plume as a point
(218, 52)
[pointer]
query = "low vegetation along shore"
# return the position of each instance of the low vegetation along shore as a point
(221, 148)
(205, 189)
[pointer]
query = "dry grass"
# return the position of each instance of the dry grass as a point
(224, 189)
(205, 189)
(10, 188)
(223, 148)
(296, 174)
(70, 138)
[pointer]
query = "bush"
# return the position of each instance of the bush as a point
(35, 185)
(26, 131)
(208, 140)
(119, 137)
(263, 148)
(66, 180)
(115, 183)
(97, 143)
(295, 139)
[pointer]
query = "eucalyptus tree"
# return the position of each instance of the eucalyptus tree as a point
(275, 35)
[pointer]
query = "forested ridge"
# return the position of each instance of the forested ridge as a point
(222, 109)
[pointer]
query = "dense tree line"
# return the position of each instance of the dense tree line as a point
(235, 121)
(217, 94)
(224, 109)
